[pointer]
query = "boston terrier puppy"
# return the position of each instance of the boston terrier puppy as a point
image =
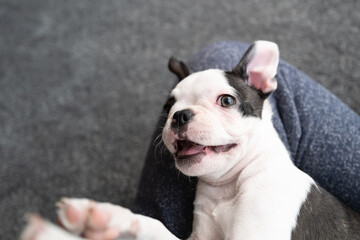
(219, 129)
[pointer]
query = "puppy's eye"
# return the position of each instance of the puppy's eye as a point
(227, 100)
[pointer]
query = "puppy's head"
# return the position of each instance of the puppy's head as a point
(214, 116)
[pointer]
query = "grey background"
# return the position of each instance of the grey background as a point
(83, 82)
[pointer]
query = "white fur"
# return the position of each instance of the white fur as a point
(262, 202)
(213, 125)
(39, 229)
(251, 192)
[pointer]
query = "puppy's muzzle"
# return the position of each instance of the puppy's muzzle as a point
(181, 118)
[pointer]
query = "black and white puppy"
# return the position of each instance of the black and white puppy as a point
(219, 129)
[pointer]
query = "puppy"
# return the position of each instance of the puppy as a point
(219, 129)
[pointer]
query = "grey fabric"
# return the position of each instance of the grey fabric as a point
(82, 83)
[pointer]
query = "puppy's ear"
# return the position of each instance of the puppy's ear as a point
(179, 68)
(258, 66)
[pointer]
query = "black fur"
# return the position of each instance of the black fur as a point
(251, 99)
(179, 68)
(240, 68)
(324, 217)
(168, 105)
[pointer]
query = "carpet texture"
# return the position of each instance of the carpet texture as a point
(82, 83)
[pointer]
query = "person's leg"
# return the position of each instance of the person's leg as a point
(321, 133)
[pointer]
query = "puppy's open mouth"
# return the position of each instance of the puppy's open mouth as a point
(186, 148)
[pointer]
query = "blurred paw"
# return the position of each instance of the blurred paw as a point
(39, 229)
(97, 221)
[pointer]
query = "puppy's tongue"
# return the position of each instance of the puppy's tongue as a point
(186, 148)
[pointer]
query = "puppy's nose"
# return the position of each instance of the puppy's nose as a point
(181, 118)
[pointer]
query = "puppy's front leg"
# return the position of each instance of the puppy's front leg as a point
(105, 221)
(39, 229)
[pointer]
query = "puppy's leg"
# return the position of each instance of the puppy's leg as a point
(105, 221)
(39, 229)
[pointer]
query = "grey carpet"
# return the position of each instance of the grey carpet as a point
(82, 83)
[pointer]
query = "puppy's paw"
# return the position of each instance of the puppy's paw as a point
(39, 229)
(73, 214)
(97, 221)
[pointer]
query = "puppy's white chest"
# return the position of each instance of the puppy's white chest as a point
(215, 209)
(224, 215)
